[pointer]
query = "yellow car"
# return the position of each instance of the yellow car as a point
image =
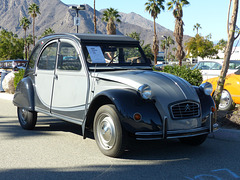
(231, 90)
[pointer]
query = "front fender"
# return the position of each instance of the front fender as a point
(24, 94)
(206, 102)
(128, 102)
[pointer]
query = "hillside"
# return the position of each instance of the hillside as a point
(57, 15)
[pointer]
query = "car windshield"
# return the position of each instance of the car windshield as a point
(114, 55)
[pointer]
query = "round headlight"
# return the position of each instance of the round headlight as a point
(207, 88)
(145, 91)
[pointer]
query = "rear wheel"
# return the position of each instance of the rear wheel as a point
(108, 131)
(27, 119)
(226, 102)
(194, 141)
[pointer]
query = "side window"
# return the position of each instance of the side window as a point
(68, 58)
(47, 60)
(33, 57)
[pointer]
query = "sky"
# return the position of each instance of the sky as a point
(210, 14)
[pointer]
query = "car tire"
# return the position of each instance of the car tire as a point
(194, 141)
(226, 102)
(27, 119)
(108, 132)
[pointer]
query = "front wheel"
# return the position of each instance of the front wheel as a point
(27, 119)
(108, 131)
(194, 141)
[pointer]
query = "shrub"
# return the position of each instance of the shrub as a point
(18, 77)
(194, 77)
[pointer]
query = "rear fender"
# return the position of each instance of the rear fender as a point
(24, 94)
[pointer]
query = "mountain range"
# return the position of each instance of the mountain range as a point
(59, 17)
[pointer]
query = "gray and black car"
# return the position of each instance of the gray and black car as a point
(106, 84)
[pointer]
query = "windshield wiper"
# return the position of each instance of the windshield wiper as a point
(112, 60)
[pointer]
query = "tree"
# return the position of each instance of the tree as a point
(231, 30)
(47, 32)
(33, 10)
(94, 19)
(221, 45)
(110, 16)
(29, 42)
(24, 22)
(146, 48)
(177, 6)
(166, 43)
(11, 47)
(196, 27)
(154, 8)
(199, 46)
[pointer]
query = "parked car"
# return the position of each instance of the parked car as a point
(212, 68)
(13, 64)
(231, 91)
(106, 84)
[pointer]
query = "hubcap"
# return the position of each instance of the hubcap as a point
(225, 100)
(23, 115)
(106, 131)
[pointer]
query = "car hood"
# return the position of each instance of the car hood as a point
(165, 87)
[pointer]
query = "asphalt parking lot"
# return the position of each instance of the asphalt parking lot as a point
(56, 150)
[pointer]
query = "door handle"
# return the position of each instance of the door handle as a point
(56, 76)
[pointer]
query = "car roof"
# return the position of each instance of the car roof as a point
(91, 38)
(10, 60)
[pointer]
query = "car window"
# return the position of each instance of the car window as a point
(68, 58)
(209, 66)
(105, 54)
(34, 57)
(234, 65)
(47, 59)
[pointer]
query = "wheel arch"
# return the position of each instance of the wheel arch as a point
(24, 94)
(127, 103)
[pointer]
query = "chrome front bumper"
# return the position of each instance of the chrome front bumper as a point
(165, 134)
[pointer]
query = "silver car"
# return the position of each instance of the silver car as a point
(106, 84)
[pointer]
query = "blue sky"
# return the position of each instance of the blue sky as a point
(210, 14)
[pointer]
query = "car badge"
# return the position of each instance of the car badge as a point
(187, 108)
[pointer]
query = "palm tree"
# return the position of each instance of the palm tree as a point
(154, 8)
(24, 22)
(110, 16)
(177, 6)
(196, 27)
(47, 32)
(29, 41)
(33, 10)
(166, 43)
(95, 20)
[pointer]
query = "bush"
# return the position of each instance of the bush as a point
(194, 77)
(18, 77)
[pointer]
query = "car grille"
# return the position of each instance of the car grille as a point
(185, 110)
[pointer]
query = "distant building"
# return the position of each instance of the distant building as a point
(235, 54)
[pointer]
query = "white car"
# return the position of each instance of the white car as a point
(212, 68)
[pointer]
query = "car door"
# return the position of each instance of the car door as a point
(70, 85)
(44, 77)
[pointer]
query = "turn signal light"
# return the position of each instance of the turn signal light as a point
(213, 109)
(137, 117)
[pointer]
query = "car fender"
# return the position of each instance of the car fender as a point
(127, 102)
(24, 94)
(206, 102)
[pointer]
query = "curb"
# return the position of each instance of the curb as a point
(221, 133)
(6, 96)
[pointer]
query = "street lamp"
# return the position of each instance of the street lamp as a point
(77, 19)
(165, 37)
